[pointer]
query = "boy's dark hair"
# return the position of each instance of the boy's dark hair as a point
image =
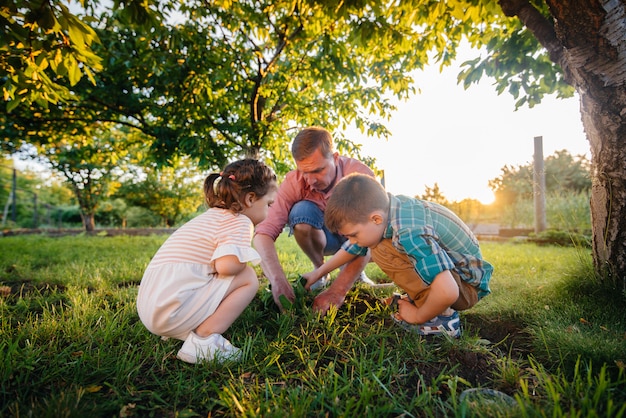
(354, 198)
(228, 189)
(310, 139)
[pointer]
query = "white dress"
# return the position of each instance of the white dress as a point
(180, 288)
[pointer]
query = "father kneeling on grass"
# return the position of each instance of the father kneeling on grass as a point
(300, 204)
(423, 247)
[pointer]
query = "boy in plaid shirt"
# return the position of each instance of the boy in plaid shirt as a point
(423, 247)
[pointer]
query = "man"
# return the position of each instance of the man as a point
(300, 203)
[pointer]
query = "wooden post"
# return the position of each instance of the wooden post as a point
(35, 212)
(14, 198)
(539, 186)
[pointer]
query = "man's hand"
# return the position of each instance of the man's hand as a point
(280, 288)
(324, 300)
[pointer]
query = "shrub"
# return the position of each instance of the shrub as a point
(561, 238)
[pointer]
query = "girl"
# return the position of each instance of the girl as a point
(198, 282)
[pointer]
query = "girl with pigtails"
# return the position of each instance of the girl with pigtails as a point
(199, 281)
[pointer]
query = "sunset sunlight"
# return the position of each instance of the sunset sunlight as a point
(461, 139)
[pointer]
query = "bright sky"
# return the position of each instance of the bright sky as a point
(460, 139)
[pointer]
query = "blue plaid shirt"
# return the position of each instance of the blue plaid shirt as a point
(435, 239)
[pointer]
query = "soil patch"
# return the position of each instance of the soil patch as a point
(500, 340)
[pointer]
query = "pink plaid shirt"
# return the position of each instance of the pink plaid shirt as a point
(295, 189)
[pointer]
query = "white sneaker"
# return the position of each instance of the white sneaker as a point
(320, 284)
(364, 279)
(196, 349)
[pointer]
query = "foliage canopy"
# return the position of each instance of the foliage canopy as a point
(219, 80)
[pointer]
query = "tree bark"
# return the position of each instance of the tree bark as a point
(594, 37)
(590, 47)
(89, 222)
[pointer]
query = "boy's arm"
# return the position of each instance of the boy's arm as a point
(340, 258)
(444, 291)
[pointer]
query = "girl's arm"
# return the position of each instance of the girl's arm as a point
(229, 265)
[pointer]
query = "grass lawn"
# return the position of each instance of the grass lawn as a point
(549, 341)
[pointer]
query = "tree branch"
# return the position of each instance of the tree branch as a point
(541, 27)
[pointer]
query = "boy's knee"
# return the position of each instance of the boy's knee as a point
(385, 255)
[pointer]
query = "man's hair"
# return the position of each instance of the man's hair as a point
(354, 198)
(310, 139)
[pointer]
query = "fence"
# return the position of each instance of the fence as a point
(19, 201)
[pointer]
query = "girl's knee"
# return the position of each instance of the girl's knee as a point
(247, 277)
(254, 282)
(250, 278)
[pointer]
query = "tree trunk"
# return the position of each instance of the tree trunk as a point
(593, 35)
(588, 40)
(605, 131)
(89, 221)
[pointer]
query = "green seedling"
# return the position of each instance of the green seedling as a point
(300, 292)
(287, 305)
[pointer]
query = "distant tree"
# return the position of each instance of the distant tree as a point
(16, 210)
(6, 180)
(173, 193)
(567, 173)
(90, 165)
(112, 212)
(37, 194)
(471, 210)
(563, 173)
(434, 194)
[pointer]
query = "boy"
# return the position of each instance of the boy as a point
(422, 246)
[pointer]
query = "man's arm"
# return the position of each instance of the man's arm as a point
(266, 247)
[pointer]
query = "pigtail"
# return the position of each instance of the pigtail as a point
(228, 189)
(211, 189)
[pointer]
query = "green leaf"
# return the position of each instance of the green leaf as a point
(73, 70)
(286, 304)
(12, 104)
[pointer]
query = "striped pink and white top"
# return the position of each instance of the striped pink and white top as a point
(214, 234)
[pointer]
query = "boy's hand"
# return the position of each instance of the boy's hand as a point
(392, 301)
(324, 300)
(310, 279)
(407, 311)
